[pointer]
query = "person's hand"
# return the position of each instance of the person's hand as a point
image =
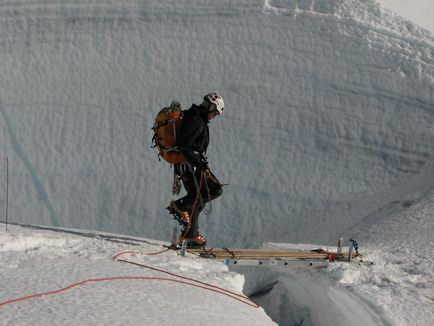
(202, 166)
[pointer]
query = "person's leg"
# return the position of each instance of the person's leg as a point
(211, 188)
(181, 208)
(192, 204)
(193, 183)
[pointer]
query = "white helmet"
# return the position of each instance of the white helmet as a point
(214, 102)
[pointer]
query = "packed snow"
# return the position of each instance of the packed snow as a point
(39, 261)
(327, 133)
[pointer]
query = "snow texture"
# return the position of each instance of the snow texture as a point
(38, 260)
(328, 103)
(327, 132)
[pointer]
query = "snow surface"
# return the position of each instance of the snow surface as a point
(327, 132)
(420, 12)
(36, 260)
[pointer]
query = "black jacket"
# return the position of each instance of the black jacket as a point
(193, 138)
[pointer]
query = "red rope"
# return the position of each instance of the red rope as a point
(114, 278)
(188, 281)
(193, 210)
(124, 253)
(208, 286)
(138, 252)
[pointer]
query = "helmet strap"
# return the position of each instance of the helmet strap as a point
(206, 105)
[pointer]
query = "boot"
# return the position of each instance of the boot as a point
(195, 241)
(183, 217)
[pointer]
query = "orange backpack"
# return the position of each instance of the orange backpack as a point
(166, 126)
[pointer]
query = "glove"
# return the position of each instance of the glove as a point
(200, 165)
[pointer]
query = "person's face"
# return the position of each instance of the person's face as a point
(213, 114)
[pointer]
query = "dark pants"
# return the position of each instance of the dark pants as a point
(209, 189)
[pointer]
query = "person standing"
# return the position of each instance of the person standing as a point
(199, 182)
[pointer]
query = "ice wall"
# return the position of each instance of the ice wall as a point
(329, 104)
